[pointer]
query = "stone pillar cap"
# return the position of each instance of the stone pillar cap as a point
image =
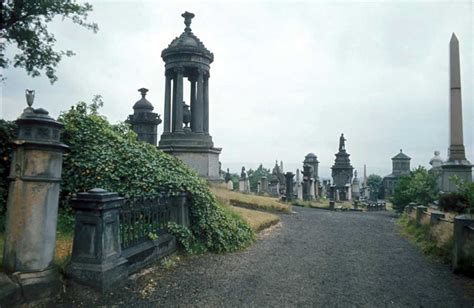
(97, 199)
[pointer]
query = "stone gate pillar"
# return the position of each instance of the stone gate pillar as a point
(32, 206)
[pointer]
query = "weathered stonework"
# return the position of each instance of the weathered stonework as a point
(342, 170)
(32, 206)
(187, 57)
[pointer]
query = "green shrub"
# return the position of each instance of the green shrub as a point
(110, 157)
(419, 186)
(453, 202)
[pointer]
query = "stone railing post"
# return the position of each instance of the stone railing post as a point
(182, 204)
(32, 206)
(435, 217)
(419, 213)
(96, 252)
(463, 248)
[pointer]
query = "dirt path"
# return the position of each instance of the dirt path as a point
(314, 258)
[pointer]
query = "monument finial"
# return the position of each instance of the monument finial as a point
(30, 97)
(187, 20)
(454, 37)
(143, 91)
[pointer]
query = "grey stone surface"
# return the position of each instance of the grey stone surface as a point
(463, 240)
(435, 217)
(400, 167)
(144, 121)
(316, 258)
(457, 163)
(419, 213)
(342, 169)
(96, 258)
(32, 206)
(187, 57)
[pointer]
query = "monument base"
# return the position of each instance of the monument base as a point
(204, 160)
(460, 168)
(38, 286)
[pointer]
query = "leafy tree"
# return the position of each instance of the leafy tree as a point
(419, 186)
(374, 182)
(465, 188)
(24, 24)
(256, 175)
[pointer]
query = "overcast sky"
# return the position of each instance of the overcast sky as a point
(287, 79)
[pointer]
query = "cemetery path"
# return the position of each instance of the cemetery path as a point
(315, 258)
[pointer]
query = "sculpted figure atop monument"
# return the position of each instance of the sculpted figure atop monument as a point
(342, 143)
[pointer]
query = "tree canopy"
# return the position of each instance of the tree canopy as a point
(24, 24)
(374, 182)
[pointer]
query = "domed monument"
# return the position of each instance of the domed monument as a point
(187, 57)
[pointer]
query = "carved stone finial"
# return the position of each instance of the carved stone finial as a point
(143, 91)
(30, 97)
(187, 20)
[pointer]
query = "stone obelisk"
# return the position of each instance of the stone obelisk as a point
(457, 164)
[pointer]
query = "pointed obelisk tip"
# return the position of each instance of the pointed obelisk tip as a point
(454, 38)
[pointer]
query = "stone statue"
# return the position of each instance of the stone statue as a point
(243, 174)
(355, 174)
(342, 144)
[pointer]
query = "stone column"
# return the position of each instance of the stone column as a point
(435, 217)
(456, 148)
(96, 258)
(206, 103)
(420, 210)
(199, 109)
(167, 112)
(32, 205)
(178, 100)
(193, 103)
(311, 189)
(289, 186)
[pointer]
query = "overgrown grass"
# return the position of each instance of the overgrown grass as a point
(62, 254)
(420, 236)
(256, 219)
(250, 201)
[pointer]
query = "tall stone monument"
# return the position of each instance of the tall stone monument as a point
(144, 121)
(342, 171)
(187, 57)
(457, 163)
(32, 206)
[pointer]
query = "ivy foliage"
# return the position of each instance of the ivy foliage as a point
(7, 134)
(110, 157)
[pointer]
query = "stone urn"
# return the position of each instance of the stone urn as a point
(186, 116)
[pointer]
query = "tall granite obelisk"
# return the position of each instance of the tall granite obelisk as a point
(456, 164)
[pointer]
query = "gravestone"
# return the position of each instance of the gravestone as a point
(244, 185)
(264, 184)
(289, 186)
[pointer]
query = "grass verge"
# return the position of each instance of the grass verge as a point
(250, 201)
(256, 219)
(420, 236)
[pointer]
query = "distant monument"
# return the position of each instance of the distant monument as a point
(400, 166)
(312, 160)
(457, 163)
(342, 172)
(144, 121)
(355, 187)
(244, 184)
(187, 57)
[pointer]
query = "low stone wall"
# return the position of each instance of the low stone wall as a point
(442, 231)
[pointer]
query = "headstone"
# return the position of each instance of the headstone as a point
(244, 182)
(264, 184)
(289, 186)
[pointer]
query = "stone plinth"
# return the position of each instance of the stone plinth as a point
(96, 252)
(32, 206)
(342, 169)
(420, 210)
(205, 161)
(463, 248)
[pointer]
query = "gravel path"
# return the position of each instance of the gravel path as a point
(315, 258)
